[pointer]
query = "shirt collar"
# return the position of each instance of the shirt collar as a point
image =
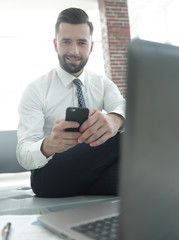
(66, 77)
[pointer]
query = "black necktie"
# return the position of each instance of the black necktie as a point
(81, 101)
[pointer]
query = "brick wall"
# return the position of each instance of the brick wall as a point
(115, 39)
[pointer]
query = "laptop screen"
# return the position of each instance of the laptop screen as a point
(150, 150)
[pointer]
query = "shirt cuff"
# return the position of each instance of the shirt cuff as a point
(38, 158)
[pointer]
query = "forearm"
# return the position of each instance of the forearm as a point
(118, 121)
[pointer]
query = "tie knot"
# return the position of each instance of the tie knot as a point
(77, 82)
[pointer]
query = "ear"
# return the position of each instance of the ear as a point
(91, 49)
(55, 44)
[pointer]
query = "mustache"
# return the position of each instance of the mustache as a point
(72, 56)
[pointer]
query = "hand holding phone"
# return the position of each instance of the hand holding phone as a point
(76, 114)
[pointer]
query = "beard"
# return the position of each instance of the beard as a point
(72, 67)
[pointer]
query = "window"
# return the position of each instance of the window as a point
(155, 20)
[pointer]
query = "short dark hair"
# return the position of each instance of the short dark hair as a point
(73, 16)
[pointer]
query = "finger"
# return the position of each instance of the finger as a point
(70, 124)
(94, 116)
(70, 142)
(66, 141)
(87, 124)
(62, 125)
(69, 135)
(95, 136)
(92, 112)
(100, 140)
(87, 133)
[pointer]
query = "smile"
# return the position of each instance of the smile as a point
(73, 59)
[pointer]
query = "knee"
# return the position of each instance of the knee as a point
(58, 188)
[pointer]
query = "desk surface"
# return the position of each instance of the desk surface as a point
(17, 198)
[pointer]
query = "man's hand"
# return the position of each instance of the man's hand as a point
(59, 140)
(100, 127)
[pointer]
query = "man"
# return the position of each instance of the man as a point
(71, 163)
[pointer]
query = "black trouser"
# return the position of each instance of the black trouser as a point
(82, 170)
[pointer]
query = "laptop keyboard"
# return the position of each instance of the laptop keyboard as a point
(104, 229)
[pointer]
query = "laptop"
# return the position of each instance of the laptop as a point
(149, 170)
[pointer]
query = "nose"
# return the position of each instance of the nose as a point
(74, 49)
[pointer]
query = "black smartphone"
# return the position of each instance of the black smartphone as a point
(76, 114)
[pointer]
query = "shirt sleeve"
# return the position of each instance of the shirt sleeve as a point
(30, 130)
(114, 102)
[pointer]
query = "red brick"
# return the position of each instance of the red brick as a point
(115, 39)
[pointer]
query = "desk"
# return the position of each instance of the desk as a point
(18, 202)
(17, 198)
(26, 227)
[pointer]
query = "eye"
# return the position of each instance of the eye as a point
(82, 42)
(66, 42)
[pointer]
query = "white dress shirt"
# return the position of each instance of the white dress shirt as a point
(45, 101)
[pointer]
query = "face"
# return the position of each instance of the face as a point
(73, 45)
